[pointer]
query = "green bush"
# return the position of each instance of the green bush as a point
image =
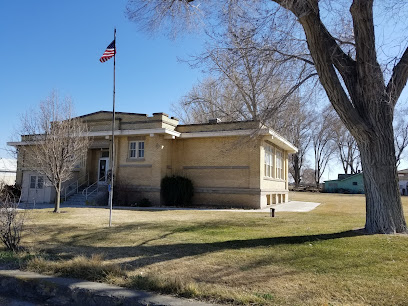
(145, 202)
(177, 190)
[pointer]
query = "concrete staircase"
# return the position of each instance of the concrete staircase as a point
(80, 198)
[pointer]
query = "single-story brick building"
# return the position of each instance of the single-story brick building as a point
(231, 164)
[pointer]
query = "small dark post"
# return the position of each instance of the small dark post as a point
(272, 212)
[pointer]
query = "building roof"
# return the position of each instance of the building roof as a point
(109, 112)
(345, 177)
(99, 124)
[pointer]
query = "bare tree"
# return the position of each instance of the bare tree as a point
(308, 177)
(347, 149)
(298, 129)
(56, 141)
(208, 100)
(322, 141)
(401, 134)
(249, 79)
(362, 91)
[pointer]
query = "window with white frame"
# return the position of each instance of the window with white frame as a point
(136, 149)
(36, 182)
(279, 164)
(268, 169)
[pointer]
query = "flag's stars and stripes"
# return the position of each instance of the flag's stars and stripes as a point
(109, 52)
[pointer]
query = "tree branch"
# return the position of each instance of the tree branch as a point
(326, 54)
(398, 79)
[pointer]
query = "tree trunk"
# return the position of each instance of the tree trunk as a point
(366, 108)
(296, 169)
(384, 213)
(58, 198)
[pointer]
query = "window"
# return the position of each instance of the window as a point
(136, 149)
(40, 182)
(279, 165)
(355, 184)
(33, 180)
(81, 162)
(36, 182)
(268, 168)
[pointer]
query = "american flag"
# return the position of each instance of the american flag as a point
(109, 52)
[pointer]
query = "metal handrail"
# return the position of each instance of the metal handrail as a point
(76, 183)
(85, 191)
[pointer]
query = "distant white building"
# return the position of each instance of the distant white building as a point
(8, 169)
(403, 181)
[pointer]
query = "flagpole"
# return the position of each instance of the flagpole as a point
(112, 157)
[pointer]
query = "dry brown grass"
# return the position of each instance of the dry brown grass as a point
(314, 258)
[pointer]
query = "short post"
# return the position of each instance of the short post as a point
(272, 212)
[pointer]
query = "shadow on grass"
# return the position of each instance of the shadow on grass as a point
(148, 254)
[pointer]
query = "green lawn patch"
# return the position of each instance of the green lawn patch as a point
(315, 258)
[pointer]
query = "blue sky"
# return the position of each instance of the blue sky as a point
(56, 45)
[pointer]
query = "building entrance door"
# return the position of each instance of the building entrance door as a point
(36, 192)
(103, 170)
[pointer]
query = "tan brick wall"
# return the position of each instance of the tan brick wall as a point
(274, 190)
(227, 200)
(217, 161)
(226, 171)
(134, 171)
(142, 177)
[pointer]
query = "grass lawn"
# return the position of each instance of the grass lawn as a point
(313, 258)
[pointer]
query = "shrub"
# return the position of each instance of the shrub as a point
(145, 202)
(177, 190)
(11, 192)
(11, 222)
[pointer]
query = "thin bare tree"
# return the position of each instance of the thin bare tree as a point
(209, 99)
(347, 149)
(56, 141)
(249, 80)
(401, 134)
(322, 142)
(297, 119)
(363, 92)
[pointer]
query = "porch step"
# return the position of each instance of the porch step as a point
(81, 199)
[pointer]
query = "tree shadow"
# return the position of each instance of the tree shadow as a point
(146, 254)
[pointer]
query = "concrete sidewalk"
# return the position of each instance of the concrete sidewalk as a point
(292, 206)
(48, 290)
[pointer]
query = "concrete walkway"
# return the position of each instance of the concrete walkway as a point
(48, 290)
(292, 206)
(297, 206)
